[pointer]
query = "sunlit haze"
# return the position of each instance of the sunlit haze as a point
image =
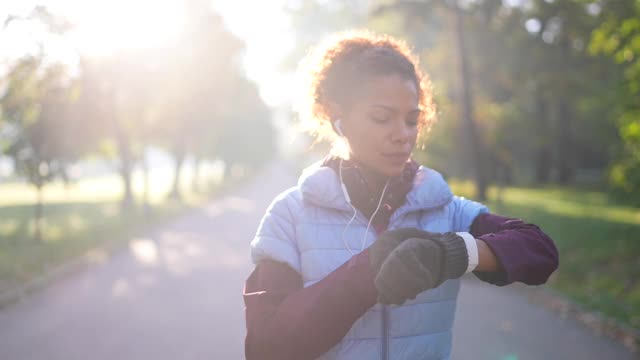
(102, 28)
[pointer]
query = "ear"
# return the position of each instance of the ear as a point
(335, 113)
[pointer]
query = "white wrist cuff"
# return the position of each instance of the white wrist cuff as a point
(472, 250)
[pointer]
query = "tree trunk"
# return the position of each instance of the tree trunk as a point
(565, 160)
(474, 145)
(543, 165)
(37, 235)
(126, 163)
(565, 164)
(146, 205)
(195, 182)
(543, 152)
(178, 156)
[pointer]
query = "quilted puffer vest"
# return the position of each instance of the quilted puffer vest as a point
(304, 228)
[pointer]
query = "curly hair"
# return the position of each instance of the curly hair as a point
(332, 71)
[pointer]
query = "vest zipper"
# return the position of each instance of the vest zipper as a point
(385, 335)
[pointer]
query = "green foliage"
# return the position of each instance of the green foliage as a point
(545, 106)
(247, 135)
(618, 36)
(36, 107)
(625, 173)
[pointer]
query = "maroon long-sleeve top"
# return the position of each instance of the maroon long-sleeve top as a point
(288, 321)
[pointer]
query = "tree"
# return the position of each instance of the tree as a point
(114, 95)
(196, 77)
(37, 111)
(534, 85)
(618, 37)
(247, 135)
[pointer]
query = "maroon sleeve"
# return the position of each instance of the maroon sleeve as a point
(525, 252)
(286, 321)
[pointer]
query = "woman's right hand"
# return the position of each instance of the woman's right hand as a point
(401, 276)
(387, 242)
(422, 262)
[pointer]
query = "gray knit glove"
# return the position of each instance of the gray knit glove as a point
(387, 242)
(422, 262)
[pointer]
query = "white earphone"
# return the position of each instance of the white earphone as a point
(339, 127)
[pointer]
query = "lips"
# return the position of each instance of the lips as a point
(397, 157)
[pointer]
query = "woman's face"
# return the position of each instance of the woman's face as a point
(381, 123)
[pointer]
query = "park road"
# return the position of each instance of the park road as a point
(176, 294)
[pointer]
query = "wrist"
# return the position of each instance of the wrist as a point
(457, 257)
(472, 251)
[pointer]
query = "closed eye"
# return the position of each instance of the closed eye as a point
(378, 120)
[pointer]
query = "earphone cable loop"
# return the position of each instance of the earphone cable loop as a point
(355, 212)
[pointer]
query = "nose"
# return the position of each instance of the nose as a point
(401, 134)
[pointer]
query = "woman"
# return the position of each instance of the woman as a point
(362, 259)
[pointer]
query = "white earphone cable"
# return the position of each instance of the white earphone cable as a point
(364, 241)
(355, 212)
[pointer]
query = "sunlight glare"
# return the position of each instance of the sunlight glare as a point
(267, 32)
(145, 251)
(106, 27)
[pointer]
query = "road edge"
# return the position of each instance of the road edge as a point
(595, 321)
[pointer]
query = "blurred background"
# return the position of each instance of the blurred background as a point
(120, 117)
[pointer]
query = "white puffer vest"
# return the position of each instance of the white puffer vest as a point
(303, 228)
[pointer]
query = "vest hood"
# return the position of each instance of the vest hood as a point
(320, 185)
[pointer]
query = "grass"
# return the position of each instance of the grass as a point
(78, 218)
(598, 240)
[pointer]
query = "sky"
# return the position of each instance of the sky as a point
(103, 27)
